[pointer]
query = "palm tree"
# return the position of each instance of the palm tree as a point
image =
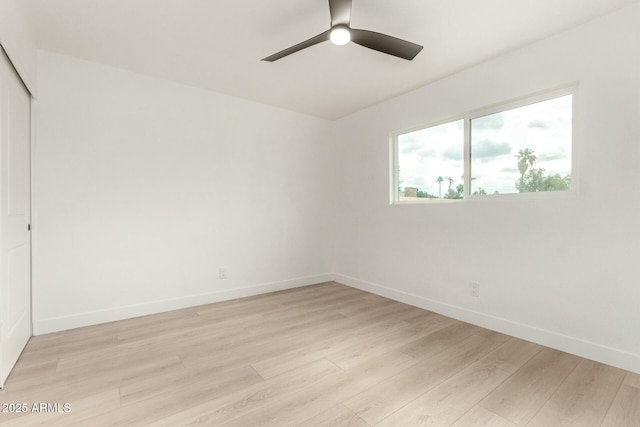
(451, 180)
(439, 181)
(526, 159)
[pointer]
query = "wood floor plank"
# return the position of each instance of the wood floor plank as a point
(386, 397)
(95, 344)
(113, 359)
(440, 340)
(256, 348)
(301, 355)
(368, 305)
(625, 409)
(481, 417)
(522, 396)
(583, 399)
(447, 402)
(196, 325)
(269, 360)
(632, 379)
(113, 328)
(327, 393)
(337, 416)
(27, 376)
(71, 387)
(356, 354)
(225, 408)
(166, 345)
(44, 341)
(174, 377)
(165, 404)
(512, 355)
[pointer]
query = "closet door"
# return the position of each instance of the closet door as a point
(15, 214)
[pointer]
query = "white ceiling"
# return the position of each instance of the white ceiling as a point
(218, 45)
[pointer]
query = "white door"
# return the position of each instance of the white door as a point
(15, 213)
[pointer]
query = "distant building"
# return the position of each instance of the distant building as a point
(410, 192)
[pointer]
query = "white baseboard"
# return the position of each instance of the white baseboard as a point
(56, 324)
(590, 350)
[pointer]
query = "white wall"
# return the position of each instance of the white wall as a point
(563, 272)
(143, 189)
(17, 42)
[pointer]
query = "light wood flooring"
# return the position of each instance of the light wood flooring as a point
(323, 355)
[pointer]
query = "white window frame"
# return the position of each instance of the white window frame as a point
(482, 112)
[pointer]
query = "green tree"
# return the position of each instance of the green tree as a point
(480, 191)
(454, 194)
(558, 183)
(439, 181)
(526, 160)
(535, 180)
(451, 181)
(426, 195)
(459, 191)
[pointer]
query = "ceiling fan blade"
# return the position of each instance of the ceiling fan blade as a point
(293, 49)
(340, 12)
(385, 44)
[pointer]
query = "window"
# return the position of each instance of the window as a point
(523, 150)
(523, 147)
(431, 163)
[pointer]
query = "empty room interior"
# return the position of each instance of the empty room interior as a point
(320, 213)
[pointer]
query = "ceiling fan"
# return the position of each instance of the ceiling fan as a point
(341, 33)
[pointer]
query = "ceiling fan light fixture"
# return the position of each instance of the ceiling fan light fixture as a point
(340, 35)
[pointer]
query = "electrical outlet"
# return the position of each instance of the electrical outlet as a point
(222, 274)
(474, 289)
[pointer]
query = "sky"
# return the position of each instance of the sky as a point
(545, 127)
